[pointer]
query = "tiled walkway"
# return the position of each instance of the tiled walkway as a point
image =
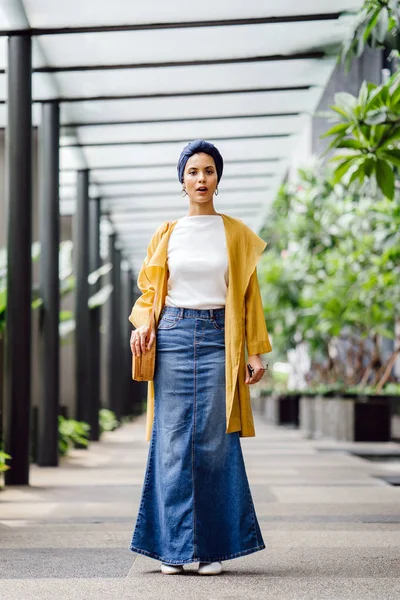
(331, 526)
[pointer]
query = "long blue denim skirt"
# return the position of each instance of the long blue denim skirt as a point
(196, 504)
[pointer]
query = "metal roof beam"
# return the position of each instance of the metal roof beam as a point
(166, 180)
(181, 119)
(93, 169)
(42, 31)
(175, 141)
(73, 99)
(315, 55)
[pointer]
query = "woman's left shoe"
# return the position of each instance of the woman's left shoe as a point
(213, 568)
(171, 569)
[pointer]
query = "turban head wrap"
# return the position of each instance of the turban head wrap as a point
(200, 146)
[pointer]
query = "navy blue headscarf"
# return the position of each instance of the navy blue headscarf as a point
(200, 146)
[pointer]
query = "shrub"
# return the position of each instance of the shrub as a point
(72, 432)
(107, 420)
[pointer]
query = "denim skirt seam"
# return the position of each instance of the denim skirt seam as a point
(148, 472)
(252, 513)
(197, 558)
(193, 453)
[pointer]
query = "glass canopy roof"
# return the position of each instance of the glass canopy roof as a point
(137, 81)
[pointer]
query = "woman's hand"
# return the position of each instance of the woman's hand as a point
(142, 339)
(256, 363)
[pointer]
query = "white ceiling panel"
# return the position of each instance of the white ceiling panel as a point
(191, 106)
(175, 80)
(3, 51)
(232, 198)
(56, 13)
(169, 153)
(170, 173)
(71, 158)
(174, 187)
(67, 178)
(166, 45)
(190, 130)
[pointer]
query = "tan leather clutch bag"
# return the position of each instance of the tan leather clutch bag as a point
(143, 365)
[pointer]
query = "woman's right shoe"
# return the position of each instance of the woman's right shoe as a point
(171, 569)
(213, 568)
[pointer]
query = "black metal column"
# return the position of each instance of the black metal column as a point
(82, 334)
(140, 387)
(19, 206)
(126, 328)
(94, 318)
(47, 449)
(136, 389)
(114, 350)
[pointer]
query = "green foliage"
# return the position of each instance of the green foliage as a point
(3, 304)
(368, 135)
(67, 285)
(378, 25)
(332, 270)
(71, 432)
(3, 458)
(65, 315)
(107, 420)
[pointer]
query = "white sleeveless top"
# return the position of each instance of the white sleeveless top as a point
(197, 263)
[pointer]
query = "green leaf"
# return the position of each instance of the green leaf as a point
(347, 102)
(376, 116)
(36, 303)
(338, 157)
(369, 165)
(385, 178)
(340, 111)
(3, 300)
(394, 137)
(372, 23)
(350, 144)
(342, 169)
(376, 99)
(365, 89)
(382, 25)
(339, 128)
(395, 97)
(359, 174)
(65, 315)
(360, 46)
(392, 156)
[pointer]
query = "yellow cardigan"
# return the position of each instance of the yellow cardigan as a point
(244, 314)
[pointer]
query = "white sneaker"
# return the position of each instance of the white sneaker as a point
(171, 569)
(213, 568)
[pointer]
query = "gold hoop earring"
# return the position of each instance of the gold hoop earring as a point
(183, 192)
(216, 191)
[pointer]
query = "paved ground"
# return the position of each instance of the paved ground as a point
(331, 526)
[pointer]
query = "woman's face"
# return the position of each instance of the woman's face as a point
(200, 177)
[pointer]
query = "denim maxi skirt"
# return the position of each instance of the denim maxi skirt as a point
(196, 504)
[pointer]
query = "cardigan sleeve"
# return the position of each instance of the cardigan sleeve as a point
(141, 310)
(257, 338)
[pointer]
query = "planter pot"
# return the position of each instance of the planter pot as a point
(282, 409)
(319, 416)
(271, 408)
(372, 420)
(307, 416)
(353, 419)
(257, 401)
(289, 409)
(395, 419)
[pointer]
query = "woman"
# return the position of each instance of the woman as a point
(200, 272)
